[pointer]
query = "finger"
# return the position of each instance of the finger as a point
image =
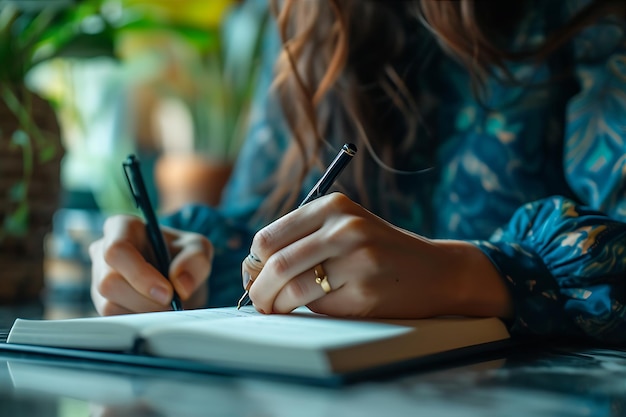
(297, 224)
(336, 303)
(191, 266)
(304, 288)
(250, 269)
(106, 307)
(111, 309)
(109, 285)
(103, 306)
(118, 291)
(289, 262)
(122, 240)
(125, 227)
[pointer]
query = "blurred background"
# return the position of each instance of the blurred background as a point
(83, 83)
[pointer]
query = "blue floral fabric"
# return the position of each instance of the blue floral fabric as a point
(534, 174)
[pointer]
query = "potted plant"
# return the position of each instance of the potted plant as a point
(30, 140)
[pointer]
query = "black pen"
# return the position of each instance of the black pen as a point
(140, 193)
(319, 189)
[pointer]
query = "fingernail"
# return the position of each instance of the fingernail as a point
(247, 281)
(186, 282)
(160, 295)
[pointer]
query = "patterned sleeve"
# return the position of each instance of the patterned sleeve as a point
(565, 267)
(565, 264)
(595, 147)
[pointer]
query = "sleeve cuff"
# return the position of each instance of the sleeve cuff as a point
(538, 307)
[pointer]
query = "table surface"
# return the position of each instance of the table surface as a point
(546, 381)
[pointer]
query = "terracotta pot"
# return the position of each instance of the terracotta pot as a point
(184, 179)
(22, 257)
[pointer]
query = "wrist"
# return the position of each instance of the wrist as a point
(474, 284)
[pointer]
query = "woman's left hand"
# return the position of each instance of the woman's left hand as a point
(374, 269)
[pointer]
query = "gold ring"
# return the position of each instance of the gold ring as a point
(322, 279)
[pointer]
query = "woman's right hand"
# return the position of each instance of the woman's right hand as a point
(124, 281)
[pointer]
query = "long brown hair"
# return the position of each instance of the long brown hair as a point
(340, 56)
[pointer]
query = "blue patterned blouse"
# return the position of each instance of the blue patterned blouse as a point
(536, 178)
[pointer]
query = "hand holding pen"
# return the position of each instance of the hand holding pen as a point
(337, 258)
(140, 194)
(254, 264)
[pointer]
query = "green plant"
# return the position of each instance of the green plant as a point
(226, 76)
(31, 33)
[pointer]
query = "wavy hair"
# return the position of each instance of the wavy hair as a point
(344, 60)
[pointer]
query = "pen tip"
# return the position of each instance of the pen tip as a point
(239, 303)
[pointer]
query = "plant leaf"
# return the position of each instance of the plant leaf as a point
(17, 192)
(87, 46)
(16, 223)
(204, 40)
(47, 153)
(20, 138)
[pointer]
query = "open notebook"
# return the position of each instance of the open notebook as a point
(301, 344)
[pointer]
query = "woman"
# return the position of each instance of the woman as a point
(491, 179)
